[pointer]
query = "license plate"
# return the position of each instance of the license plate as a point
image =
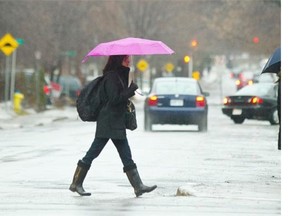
(237, 112)
(176, 102)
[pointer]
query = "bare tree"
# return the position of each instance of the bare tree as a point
(55, 28)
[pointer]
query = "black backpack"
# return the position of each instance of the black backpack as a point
(89, 103)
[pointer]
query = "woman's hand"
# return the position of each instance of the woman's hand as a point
(133, 86)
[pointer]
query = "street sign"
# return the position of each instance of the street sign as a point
(20, 41)
(71, 53)
(196, 75)
(8, 44)
(142, 65)
(169, 67)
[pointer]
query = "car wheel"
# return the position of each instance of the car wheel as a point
(147, 123)
(274, 117)
(203, 125)
(238, 119)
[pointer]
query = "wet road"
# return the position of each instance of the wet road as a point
(230, 170)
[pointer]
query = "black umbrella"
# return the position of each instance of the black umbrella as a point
(273, 65)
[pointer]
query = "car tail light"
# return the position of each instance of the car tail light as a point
(238, 82)
(241, 76)
(55, 86)
(200, 101)
(250, 82)
(256, 100)
(226, 101)
(153, 100)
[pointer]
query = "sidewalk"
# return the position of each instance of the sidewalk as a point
(10, 120)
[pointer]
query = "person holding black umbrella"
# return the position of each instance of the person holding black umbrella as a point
(279, 108)
(273, 65)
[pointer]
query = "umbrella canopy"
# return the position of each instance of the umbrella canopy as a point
(130, 46)
(273, 64)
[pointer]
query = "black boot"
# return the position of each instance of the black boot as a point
(79, 176)
(135, 181)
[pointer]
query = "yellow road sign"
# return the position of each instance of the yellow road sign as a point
(196, 75)
(169, 67)
(142, 65)
(8, 44)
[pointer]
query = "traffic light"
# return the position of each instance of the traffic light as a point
(186, 59)
(194, 43)
(255, 40)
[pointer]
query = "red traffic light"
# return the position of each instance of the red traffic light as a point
(194, 43)
(256, 40)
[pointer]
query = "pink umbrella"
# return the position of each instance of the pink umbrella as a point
(129, 46)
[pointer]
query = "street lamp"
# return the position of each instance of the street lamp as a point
(188, 60)
(194, 45)
(38, 55)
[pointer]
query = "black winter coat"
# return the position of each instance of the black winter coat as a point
(111, 119)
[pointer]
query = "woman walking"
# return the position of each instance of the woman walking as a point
(111, 125)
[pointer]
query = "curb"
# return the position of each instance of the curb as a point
(36, 119)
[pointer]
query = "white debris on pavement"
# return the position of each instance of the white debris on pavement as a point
(185, 190)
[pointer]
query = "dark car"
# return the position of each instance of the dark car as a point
(176, 100)
(257, 101)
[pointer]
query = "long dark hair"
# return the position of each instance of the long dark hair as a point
(113, 63)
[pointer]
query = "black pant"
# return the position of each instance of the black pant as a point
(123, 149)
